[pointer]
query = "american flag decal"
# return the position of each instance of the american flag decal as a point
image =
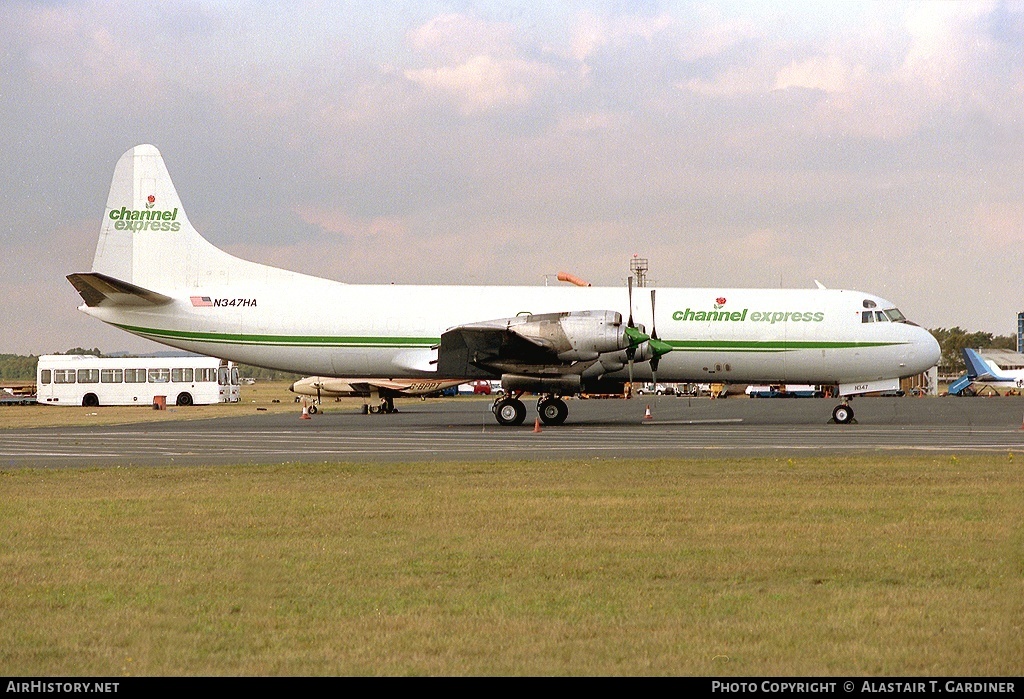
(201, 301)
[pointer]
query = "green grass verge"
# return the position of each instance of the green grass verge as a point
(826, 566)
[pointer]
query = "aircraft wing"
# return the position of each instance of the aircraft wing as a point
(581, 343)
(484, 350)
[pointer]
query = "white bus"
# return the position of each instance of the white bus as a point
(76, 379)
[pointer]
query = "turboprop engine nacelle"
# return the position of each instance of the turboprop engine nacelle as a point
(577, 336)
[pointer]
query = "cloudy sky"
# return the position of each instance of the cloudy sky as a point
(877, 146)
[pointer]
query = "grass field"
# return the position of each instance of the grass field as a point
(267, 396)
(833, 566)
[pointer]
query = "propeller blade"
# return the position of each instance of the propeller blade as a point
(654, 330)
(629, 283)
(658, 347)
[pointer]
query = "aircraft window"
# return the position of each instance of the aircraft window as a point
(895, 315)
(880, 317)
(868, 303)
(867, 316)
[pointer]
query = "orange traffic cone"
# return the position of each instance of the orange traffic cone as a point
(536, 425)
(305, 411)
(647, 413)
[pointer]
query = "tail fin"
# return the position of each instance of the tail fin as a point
(978, 369)
(146, 239)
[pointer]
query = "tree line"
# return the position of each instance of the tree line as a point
(14, 367)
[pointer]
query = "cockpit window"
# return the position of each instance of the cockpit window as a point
(867, 317)
(895, 315)
(868, 303)
(880, 317)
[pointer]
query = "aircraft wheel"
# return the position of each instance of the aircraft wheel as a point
(553, 411)
(843, 414)
(312, 410)
(510, 411)
(374, 409)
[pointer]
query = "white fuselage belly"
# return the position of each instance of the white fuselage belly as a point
(316, 326)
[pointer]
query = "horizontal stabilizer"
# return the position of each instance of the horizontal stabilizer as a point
(98, 289)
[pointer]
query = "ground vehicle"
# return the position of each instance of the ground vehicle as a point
(657, 389)
(7, 398)
(785, 391)
(75, 379)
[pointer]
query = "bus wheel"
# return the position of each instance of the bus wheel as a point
(90, 400)
(184, 399)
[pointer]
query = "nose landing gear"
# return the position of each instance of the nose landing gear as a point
(842, 414)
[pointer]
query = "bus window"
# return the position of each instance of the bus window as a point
(44, 376)
(181, 375)
(234, 376)
(135, 376)
(111, 375)
(159, 375)
(206, 374)
(88, 376)
(222, 376)
(63, 375)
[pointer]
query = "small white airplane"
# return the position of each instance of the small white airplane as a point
(155, 276)
(986, 372)
(386, 390)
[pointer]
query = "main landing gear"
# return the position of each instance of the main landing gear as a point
(510, 410)
(387, 405)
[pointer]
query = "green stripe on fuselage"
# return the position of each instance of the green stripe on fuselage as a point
(412, 342)
(280, 340)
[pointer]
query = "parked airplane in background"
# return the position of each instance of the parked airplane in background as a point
(985, 371)
(154, 275)
(382, 391)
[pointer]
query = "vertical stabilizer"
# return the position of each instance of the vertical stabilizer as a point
(146, 238)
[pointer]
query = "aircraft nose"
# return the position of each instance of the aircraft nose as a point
(927, 348)
(292, 387)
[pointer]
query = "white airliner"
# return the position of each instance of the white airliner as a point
(154, 275)
(386, 389)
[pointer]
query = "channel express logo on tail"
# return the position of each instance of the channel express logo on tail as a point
(147, 219)
(208, 302)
